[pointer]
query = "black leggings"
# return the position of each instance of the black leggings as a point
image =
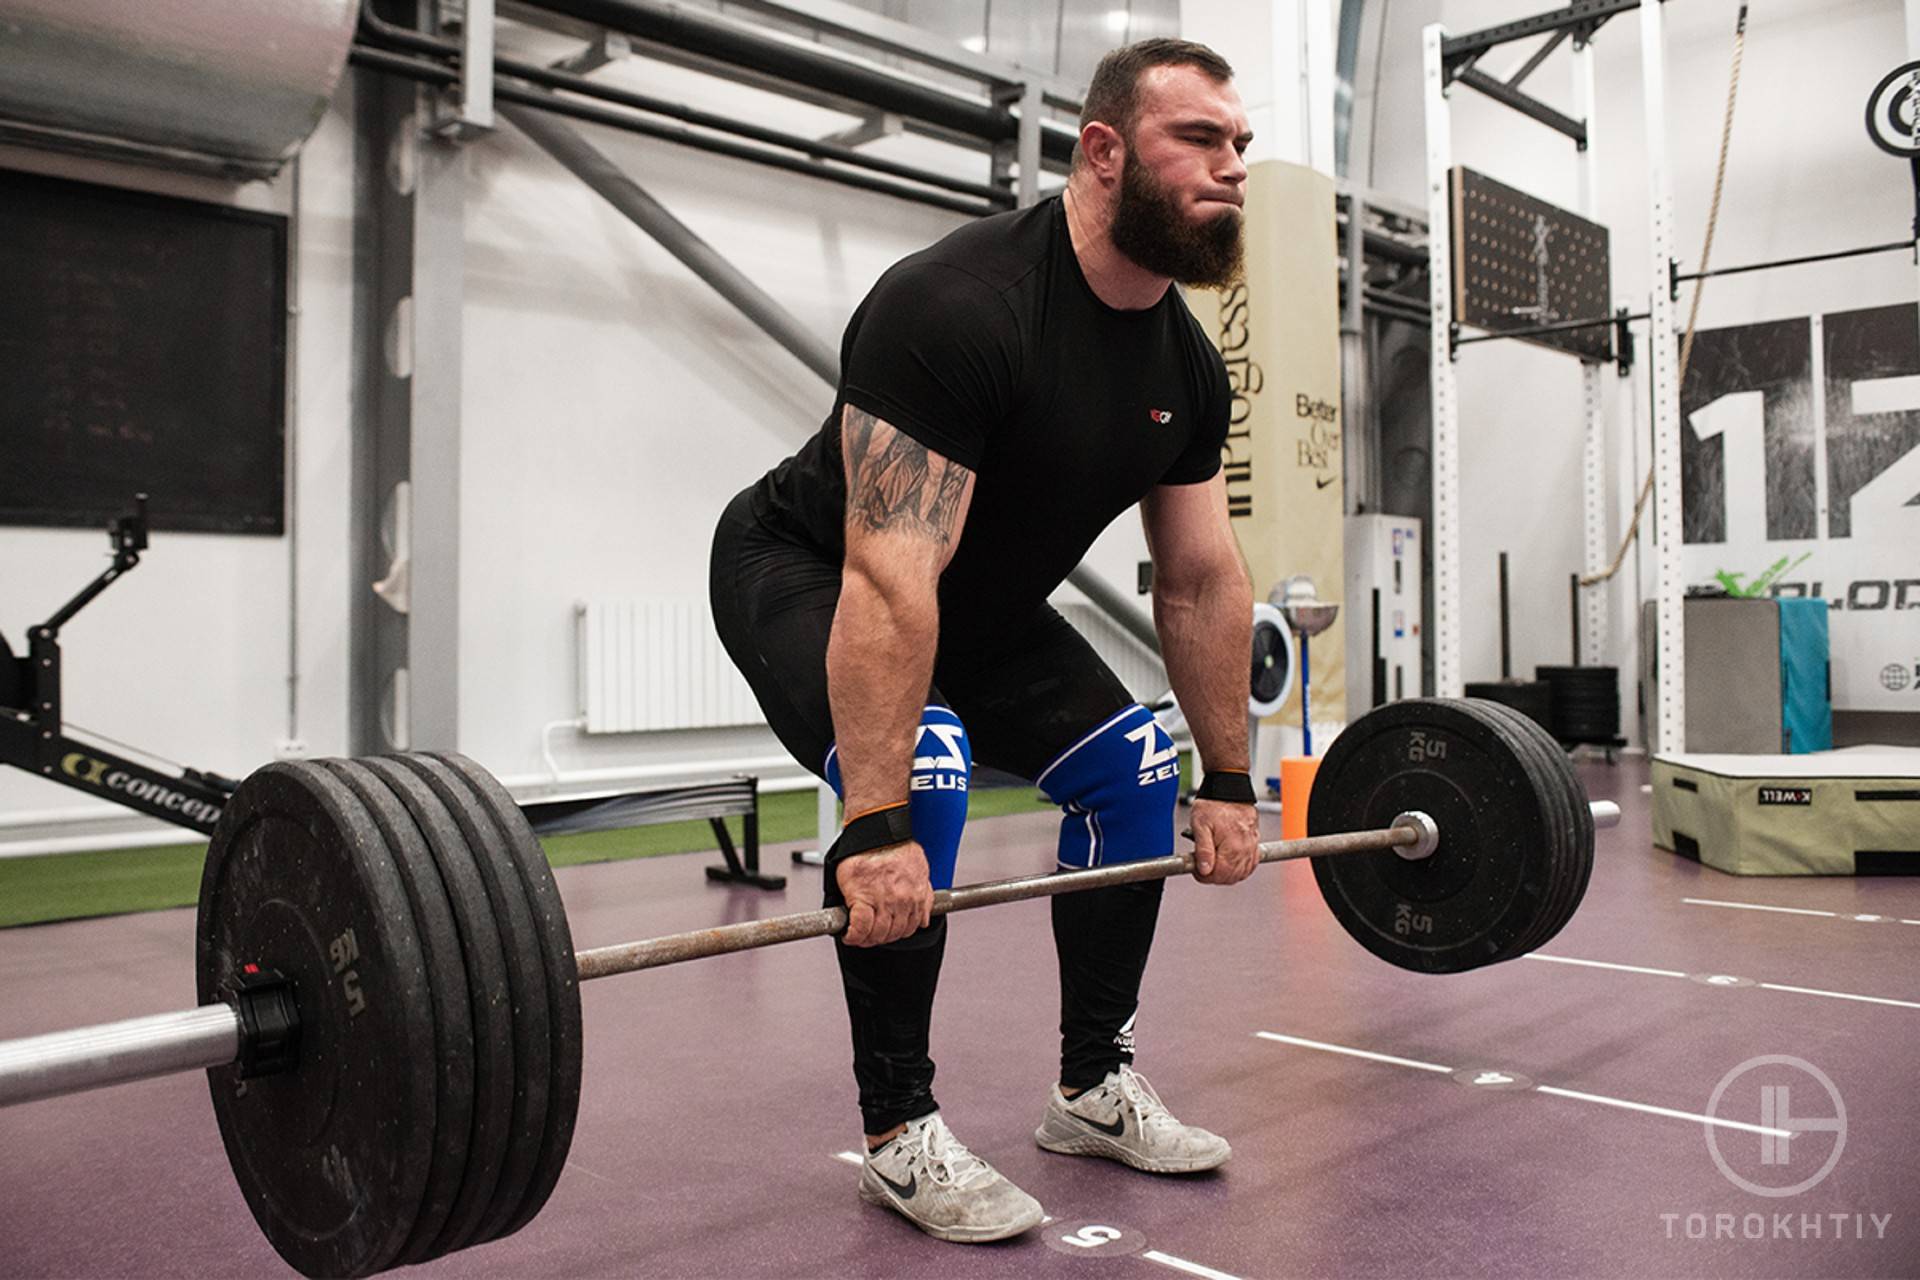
(1025, 695)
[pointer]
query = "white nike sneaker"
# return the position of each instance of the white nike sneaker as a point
(1123, 1119)
(929, 1178)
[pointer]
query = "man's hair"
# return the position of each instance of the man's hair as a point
(1114, 96)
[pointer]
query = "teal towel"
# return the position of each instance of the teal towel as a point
(1806, 703)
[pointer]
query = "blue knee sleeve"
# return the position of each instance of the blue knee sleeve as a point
(937, 802)
(1118, 786)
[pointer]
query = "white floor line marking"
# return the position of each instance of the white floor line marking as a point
(576, 1165)
(1605, 1101)
(1602, 964)
(1755, 906)
(1910, 922)
(1602, 1099)
(1770, 986)
(1355, 1053)
(1841, 995)
(1181, 1264)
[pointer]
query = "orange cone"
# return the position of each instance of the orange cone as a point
(1296, 783)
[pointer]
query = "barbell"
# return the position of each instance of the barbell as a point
(390, 1016)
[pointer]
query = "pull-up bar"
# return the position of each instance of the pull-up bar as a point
(1558, 326)
(1676, 276)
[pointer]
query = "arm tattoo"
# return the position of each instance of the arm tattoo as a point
(899, 485)
(946, 499)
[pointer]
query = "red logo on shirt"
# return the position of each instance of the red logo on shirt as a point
(1161, 416)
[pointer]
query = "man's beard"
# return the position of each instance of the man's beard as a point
(1150, 228)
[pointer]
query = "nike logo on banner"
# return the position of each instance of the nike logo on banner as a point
(1324, 481)
(905, 1189)
(1114, 1129)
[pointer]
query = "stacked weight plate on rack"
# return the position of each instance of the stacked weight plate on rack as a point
(1586, 704)
(433, 1102)
(1515, 846)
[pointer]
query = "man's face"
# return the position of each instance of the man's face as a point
(1183, 179)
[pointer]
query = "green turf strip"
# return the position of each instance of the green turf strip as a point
(112, 882)
(72, 886)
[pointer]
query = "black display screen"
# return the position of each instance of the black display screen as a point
(142, 350)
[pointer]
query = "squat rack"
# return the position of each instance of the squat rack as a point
(1447, 60)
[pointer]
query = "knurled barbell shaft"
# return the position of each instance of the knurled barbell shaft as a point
(653, 953)
(64, 1062)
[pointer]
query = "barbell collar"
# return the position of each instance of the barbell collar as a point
(63, 1062)
(1429, 835)
(1605, 813)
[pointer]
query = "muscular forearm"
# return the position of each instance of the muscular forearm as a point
(879, 668)
(1206, 635)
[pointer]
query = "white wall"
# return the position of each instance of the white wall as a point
(1802, 177)
(612, 404)
(1282, 53)
(189, 654)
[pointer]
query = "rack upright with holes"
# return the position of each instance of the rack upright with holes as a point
(1449, 60)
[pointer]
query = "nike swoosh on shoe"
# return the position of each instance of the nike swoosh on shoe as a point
(905, 1189)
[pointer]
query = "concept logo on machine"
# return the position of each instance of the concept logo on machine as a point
(1895, 676)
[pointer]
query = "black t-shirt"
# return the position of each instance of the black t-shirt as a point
(989, 348)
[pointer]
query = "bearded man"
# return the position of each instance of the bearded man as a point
(1004, 395)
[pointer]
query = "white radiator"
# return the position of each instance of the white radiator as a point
(656, 664)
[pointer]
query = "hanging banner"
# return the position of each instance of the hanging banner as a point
(1800, 466)
(1280, 334)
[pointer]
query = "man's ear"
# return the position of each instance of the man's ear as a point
(1104, 149)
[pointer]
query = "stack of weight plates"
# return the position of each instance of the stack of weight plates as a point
(1531, 698)
(1516, 836)
(432, 1102)
(1573, 829)
(1586, 703)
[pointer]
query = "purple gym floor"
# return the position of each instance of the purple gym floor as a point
(718, 1099)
